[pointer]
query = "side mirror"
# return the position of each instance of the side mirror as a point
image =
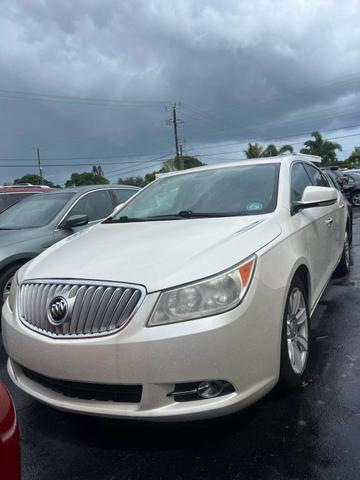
(74, 221)
(315, 197)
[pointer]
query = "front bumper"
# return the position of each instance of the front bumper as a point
(241, 347)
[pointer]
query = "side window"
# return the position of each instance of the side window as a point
(96, 205)
(299, 181)
(317, 178)
(123, 194)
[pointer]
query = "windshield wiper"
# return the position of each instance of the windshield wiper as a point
(126, 219)
(181, 215)
(191, 214)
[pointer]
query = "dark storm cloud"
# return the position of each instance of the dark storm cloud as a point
(242, 70)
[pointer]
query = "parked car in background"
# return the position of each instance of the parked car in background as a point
(340, 178)
(353, 181)
(31, 226)
(193, 301)
(10, 466)
(336, 173)
(336, 185)
(14, 193)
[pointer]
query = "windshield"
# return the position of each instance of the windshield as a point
(230, 191)
(33, 211)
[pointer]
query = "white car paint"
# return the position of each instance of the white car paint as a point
(241, 346)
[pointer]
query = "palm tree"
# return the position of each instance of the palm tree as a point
(272, 150)
(254, 150)
(321, 147)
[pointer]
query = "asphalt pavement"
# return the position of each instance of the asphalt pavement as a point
(311, 434)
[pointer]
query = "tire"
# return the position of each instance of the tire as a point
(294, 337)
(5, 281)
(355, 198)
(343, 267)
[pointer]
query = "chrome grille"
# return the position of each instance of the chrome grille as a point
(92, 308)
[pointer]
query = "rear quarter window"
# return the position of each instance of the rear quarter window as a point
(122, 195)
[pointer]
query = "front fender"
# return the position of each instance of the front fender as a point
(17, 258)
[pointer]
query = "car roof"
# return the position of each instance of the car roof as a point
(90, 188)
(251, 161)
(22, 190)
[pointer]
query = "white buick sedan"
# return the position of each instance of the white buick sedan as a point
(194, 300)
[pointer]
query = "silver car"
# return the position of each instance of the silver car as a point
(37, 222)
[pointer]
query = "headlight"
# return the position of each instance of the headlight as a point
(13, 290)
(208, 297)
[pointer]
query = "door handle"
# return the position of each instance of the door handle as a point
(329, 221)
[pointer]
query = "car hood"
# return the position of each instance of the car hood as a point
(158, 254)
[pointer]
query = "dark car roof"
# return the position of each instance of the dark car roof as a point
(90, 188)
(22, 190)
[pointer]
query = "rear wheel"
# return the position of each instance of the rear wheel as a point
(295, 337)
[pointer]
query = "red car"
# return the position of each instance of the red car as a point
(13, 194)
(9, 438)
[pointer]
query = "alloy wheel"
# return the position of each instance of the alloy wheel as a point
(297, 331)
(347, 251)
(356, 199)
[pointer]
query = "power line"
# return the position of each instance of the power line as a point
(90, 157)
(288, 137)
(162, 157)
(16, 94)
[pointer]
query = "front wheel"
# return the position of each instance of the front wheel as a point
(295, 337)
(6, 278)
(343, 267)
(355, 198)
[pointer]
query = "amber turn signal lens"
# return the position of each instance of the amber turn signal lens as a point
(246, 271)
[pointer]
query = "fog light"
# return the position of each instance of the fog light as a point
(210, 389)
(201, 390)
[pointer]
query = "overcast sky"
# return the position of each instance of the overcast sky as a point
(255, 70)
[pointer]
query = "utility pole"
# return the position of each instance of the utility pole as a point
(173, 120)
(182, 160)
(39, 166)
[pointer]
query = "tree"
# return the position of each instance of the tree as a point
(167, 166)
(137, 181)
(149, 177)
(272, 150)
(189, 162)
(321, 147)
(254, 150)
(86, 178)
(34, 180)
(354, 156)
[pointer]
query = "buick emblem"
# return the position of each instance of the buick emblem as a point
(57, 310)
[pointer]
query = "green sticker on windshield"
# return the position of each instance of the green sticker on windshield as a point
(254, 206)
